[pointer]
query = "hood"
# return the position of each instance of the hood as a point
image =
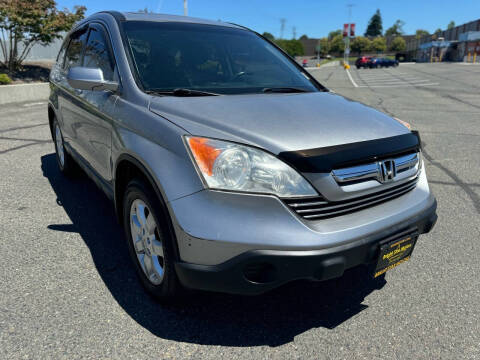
(278, 122)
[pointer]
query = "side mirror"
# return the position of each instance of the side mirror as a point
(84, 78)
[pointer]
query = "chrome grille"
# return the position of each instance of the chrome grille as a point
(377, 170)
(319, 208)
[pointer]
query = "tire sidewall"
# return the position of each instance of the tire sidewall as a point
(54, 133)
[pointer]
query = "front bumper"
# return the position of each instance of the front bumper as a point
(213, 227)
(257, 271)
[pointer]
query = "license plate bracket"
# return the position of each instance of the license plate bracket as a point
(395, 252)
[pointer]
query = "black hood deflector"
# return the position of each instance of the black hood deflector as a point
(326, 159)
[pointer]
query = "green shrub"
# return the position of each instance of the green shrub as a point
(4, 79)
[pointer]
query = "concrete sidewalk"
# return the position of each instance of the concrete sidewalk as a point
(24, 92)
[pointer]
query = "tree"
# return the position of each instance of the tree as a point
(420, 33)
(451, 25)
(360, 44)
(438, 31)
(395, 29)
(337, 45)
(375, 27)
(378, 45)
(324, 46)
(268, 36)
(398, 44)
(292, 47)
(303, 37)
(24, 23)
(334, 33)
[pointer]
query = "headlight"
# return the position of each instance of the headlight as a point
(229, 166)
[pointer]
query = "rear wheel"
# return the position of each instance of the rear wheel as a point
(150, 241)
(65, 162)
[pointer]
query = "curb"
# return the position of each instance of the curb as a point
(331, 63)
(24, 92)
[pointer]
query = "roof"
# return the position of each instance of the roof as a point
(137, 16)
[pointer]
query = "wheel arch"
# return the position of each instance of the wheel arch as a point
(126, 169)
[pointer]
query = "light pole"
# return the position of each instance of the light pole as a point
(349, 32)
(185, 7)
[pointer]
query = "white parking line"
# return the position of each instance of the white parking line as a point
(387, 78)
(398, 85)
(384, 75)
(381, 76)
(351, 79)
(397, 80)
(34, 104)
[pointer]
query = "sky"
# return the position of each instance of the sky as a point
(315, 18)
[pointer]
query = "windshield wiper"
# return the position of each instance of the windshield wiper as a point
(284, 90)
(180, 92)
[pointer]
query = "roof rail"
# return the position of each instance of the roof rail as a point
(117, 15)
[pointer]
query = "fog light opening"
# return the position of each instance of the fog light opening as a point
(260, 273)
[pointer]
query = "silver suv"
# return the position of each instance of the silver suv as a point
(231, 168)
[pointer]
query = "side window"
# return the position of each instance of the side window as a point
(97, 53)
(61, 55)
(75, 49)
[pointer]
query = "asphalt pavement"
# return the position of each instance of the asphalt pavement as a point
(68, 289)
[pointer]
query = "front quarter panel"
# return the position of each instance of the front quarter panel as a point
(158, 145)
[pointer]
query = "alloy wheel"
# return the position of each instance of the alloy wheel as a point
(146, 242)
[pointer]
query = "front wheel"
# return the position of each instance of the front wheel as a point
(150, 241)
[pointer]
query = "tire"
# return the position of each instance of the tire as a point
(147, 223)
(65, 162)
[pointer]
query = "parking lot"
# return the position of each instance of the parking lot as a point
(69, 291)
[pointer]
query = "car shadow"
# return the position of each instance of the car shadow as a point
(271, 319)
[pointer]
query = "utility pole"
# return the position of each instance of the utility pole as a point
(185, 7)
(294, 31)
(282, 27)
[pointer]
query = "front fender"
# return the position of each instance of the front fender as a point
(157, 145)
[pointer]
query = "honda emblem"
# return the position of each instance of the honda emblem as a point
(387, 170)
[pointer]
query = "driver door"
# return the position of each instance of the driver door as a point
(94, 126)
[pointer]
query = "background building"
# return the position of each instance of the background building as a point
(457, 44)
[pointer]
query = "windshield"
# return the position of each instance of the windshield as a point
(209, 58)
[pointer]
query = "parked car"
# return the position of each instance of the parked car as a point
(385, 62)
(230, 167)
(373, 63)
(362, 61)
